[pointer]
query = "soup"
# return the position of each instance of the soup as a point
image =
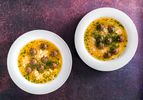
(105, 38)
(40, 61)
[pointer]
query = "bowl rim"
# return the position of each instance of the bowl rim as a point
(125, 57)
(28, 86)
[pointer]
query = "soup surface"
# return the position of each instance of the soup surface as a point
(105, 38)
(40, 61)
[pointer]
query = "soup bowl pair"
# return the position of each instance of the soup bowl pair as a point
(94, 63)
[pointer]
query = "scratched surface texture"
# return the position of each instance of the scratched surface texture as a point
(62, 17)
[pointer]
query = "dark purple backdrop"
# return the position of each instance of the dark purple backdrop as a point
(62, 17)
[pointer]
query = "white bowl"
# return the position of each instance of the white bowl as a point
(131, 45)
(17, 77)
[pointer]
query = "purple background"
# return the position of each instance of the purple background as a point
(62, 17)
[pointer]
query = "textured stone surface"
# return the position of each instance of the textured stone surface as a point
(62, 17)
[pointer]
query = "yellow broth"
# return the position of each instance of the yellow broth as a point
(105, 38)
(40, 61)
